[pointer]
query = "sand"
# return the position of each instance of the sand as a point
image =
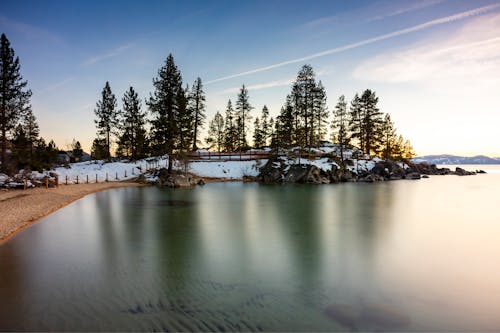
(19, 209)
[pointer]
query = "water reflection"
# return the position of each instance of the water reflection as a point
(239, 257)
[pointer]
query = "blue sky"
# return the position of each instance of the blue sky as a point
(433, 63)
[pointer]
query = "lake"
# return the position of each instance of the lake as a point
(401, 255)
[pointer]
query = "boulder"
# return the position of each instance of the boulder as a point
(175, 179)
(271, 172)
(413, 175)
(462, 172)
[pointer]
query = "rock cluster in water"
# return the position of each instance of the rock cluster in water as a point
(281, 171)
(177, 179)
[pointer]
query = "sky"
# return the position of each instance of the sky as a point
(434, 64)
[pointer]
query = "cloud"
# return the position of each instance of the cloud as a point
(101, 57)
(375, 12)
(403, 10)
(56, 85)
(260, 86)
(29, 31)
(469, 56)
(419, 27)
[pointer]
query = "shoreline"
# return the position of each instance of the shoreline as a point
(23, 208)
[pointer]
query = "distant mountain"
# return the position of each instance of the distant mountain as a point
(452, 159)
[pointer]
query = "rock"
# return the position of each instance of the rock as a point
(370, 178)
(462, 172)
(175, 179)
(425, 176)
(413, 175)
(201, 182)
(480, 171)
(389, 170)
(272, 172)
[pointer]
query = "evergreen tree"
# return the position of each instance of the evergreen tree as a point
(31, 129)
(99, 149)
(132, 142)
(303, 98)
(230, 132)
(164, 106)
(185, 121)
(21, 148)
(340, 125)
(243, 109)
(197, 108)
(107, 117)
(14, 97)
(77, 150)
(388, 138)
(265, 126)
(371, 121)
(356, 128)
(320, 115)
(284, 126)
(258, 137)
(216, 132)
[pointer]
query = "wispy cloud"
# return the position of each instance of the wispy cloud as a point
(470, 58)
(374, 12)
(29, 31)
(56, 85)
(419, 27)
(407, 9)
(110, 54)
(260, 86)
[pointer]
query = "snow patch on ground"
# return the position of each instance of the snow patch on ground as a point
(226, 169)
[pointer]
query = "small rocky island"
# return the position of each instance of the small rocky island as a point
(281, 171)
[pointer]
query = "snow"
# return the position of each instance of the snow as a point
(114, 171)
(226, 169)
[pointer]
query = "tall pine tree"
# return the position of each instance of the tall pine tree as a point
(340, 125)
(197, 108)
(132, 142)
(164, 106)
(14, 96)
(371, 121)
(107, 118)
(230, 132)
(216, 132)
(243, 109)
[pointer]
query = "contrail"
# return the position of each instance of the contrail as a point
(443, 20)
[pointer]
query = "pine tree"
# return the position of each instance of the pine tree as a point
(356, 129)
(216, 132)
(107, 118)
(388, 137)
(265, 126)
(230, 132)
(164, 106)
(340, 125)
(284, 126)
(99, 149)
(14, 97)
(302, 97)
(77, 150)
(132, 140)
(243, 109)
(258, 137)
(31, 130)
(197, 108)
(371, 121)
(320, 115)
(185, 122)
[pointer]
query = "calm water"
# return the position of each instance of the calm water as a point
(402, 255)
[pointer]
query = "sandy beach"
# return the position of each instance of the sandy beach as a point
(19, 209)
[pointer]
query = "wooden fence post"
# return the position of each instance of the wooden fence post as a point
(46, 182)
(25, 183)
(116, 177)
(87, 179)
(96, 178)
(66, 179)
(106, 176)
(77, 179)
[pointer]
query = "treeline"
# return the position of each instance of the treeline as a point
(176, 115)
(304, 121)
(20, 141)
